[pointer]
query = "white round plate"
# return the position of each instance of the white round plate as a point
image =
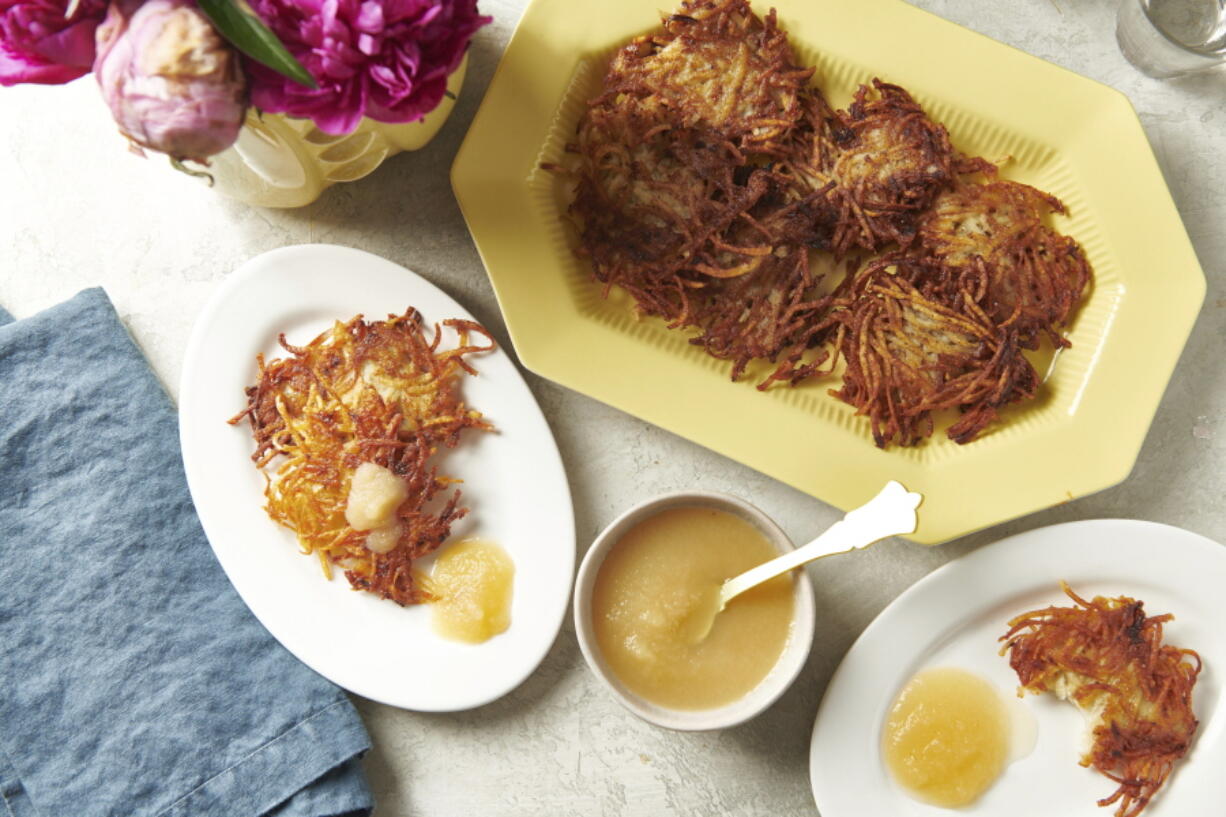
(954, 616)
(514, 486)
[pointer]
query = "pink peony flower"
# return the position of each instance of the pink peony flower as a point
(41, 42)
(172, 83)
(386, 59)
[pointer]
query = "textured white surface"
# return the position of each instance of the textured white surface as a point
(76, 210)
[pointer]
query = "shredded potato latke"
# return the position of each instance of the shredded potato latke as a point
(1107, 657)
(377, 392)
(909, 354)
(676, 199)
(1027, 277)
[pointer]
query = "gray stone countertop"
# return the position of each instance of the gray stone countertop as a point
(77, 210)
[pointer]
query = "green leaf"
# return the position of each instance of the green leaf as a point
(248, 34)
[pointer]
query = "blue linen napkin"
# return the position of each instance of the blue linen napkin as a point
(133, 680)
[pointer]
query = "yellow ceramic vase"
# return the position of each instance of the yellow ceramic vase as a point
(283, 161)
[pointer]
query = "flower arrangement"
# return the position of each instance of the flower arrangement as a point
(179, 75)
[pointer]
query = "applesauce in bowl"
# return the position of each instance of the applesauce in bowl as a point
(640, 586)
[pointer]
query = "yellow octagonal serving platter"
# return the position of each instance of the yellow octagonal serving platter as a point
(1048, 127)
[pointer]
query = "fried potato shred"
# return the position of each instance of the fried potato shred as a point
(1107, 657)
(709, 174)
(1025, 275)
(715, 67)
(675, 199)
(882, 161)
(378, 392)
(909, 355)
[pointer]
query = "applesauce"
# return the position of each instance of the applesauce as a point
(947, 737)
(473, 581)
(654, 584)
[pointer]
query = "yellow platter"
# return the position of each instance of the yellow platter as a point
(1056, 130)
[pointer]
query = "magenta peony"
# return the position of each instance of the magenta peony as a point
(41, 42)
(386, 59)
(172, 83)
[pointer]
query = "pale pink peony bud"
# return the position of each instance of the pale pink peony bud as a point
(173, 84)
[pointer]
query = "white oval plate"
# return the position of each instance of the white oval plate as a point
(514, 486)
(954, 616)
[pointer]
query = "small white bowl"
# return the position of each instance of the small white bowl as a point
(768, 690)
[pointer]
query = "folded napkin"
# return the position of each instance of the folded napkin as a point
(133, 680)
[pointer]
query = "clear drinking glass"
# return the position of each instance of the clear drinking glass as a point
(1166, 38)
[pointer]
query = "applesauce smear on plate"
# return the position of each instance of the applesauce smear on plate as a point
(472, 582)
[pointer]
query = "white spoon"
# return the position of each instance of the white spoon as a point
(890, 513)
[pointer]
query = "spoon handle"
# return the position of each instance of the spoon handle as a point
(890, 513)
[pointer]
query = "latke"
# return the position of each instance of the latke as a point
(1106, 656)
(1029, 277)
(376, 392)
(909, 356)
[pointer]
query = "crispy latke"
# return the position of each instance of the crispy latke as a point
(908, 356)
(715, 67)
(378, 392)
(652, 209)
(1107, 657)
(676, 201)
(1028, 276)
(770, 314)
(883, 159)
(666, 174)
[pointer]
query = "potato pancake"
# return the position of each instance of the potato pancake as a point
(1107, 657)
(1028, 276)
(365, 403)
(715, 67)
(770, 314)
(676, 200)
(883, 160)
(909, 356)
(651, 207)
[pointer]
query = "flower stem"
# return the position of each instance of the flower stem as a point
(178, 165)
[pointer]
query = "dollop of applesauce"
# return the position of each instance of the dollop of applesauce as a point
(473, 580)
(948, 737)
(651, 589)
(374, 495)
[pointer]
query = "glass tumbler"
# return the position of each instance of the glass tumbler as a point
(1167, 38)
